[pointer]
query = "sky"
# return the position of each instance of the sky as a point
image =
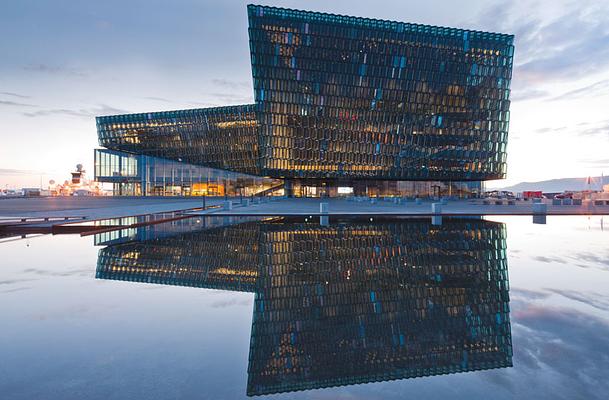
(63, 62)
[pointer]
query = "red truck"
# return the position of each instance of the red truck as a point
(532, 194)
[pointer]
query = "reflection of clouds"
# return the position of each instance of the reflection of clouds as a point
(601, 260)
(560, 351)
(72, 272)
(500, 378)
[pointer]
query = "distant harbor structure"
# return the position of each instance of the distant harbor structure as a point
(78, 185)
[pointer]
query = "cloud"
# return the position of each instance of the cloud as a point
(570, 47)
(560, 348)
(13, 281)
(56, 111)
(15, 104)
(107, 110)
(591, 128)
(55, 70)
(523, 95)
(19, 289)
(595, 300)
(79, 113)
(564, 41)
(11, 171)
(550, 260)
(231, 302)
(581, 129)
(232, 98)
(231, 92)
(598, 163)
(529, 294)
(551, 129)
(15, 95)
(161, 99)
(231, 84)
(599, 88)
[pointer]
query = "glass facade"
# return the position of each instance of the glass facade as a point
(140, 175)
(354, 97)
(383, 188)
(353, 302)
(342, 99)
(222, 137)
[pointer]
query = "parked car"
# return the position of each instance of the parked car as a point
(500, 194)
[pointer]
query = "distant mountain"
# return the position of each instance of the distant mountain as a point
(558, 185)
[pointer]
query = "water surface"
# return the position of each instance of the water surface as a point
(351, 308)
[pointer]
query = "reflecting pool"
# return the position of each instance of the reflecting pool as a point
(231, 307)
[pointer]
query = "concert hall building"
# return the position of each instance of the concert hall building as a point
(342, 106)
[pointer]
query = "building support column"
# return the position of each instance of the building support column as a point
(288, 187)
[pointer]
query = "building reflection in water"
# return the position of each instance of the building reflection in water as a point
(352, 302)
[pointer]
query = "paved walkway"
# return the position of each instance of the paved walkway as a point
(456, 207)
(112, 207)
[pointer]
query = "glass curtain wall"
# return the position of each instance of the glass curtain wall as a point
(344, 97)
(139, 175)
(384, 188)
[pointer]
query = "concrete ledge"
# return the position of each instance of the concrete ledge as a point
(540, 208)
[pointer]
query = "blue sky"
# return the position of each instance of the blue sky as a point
(65, 61)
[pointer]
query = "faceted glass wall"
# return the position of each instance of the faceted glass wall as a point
(222, 137)
(355, 97)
